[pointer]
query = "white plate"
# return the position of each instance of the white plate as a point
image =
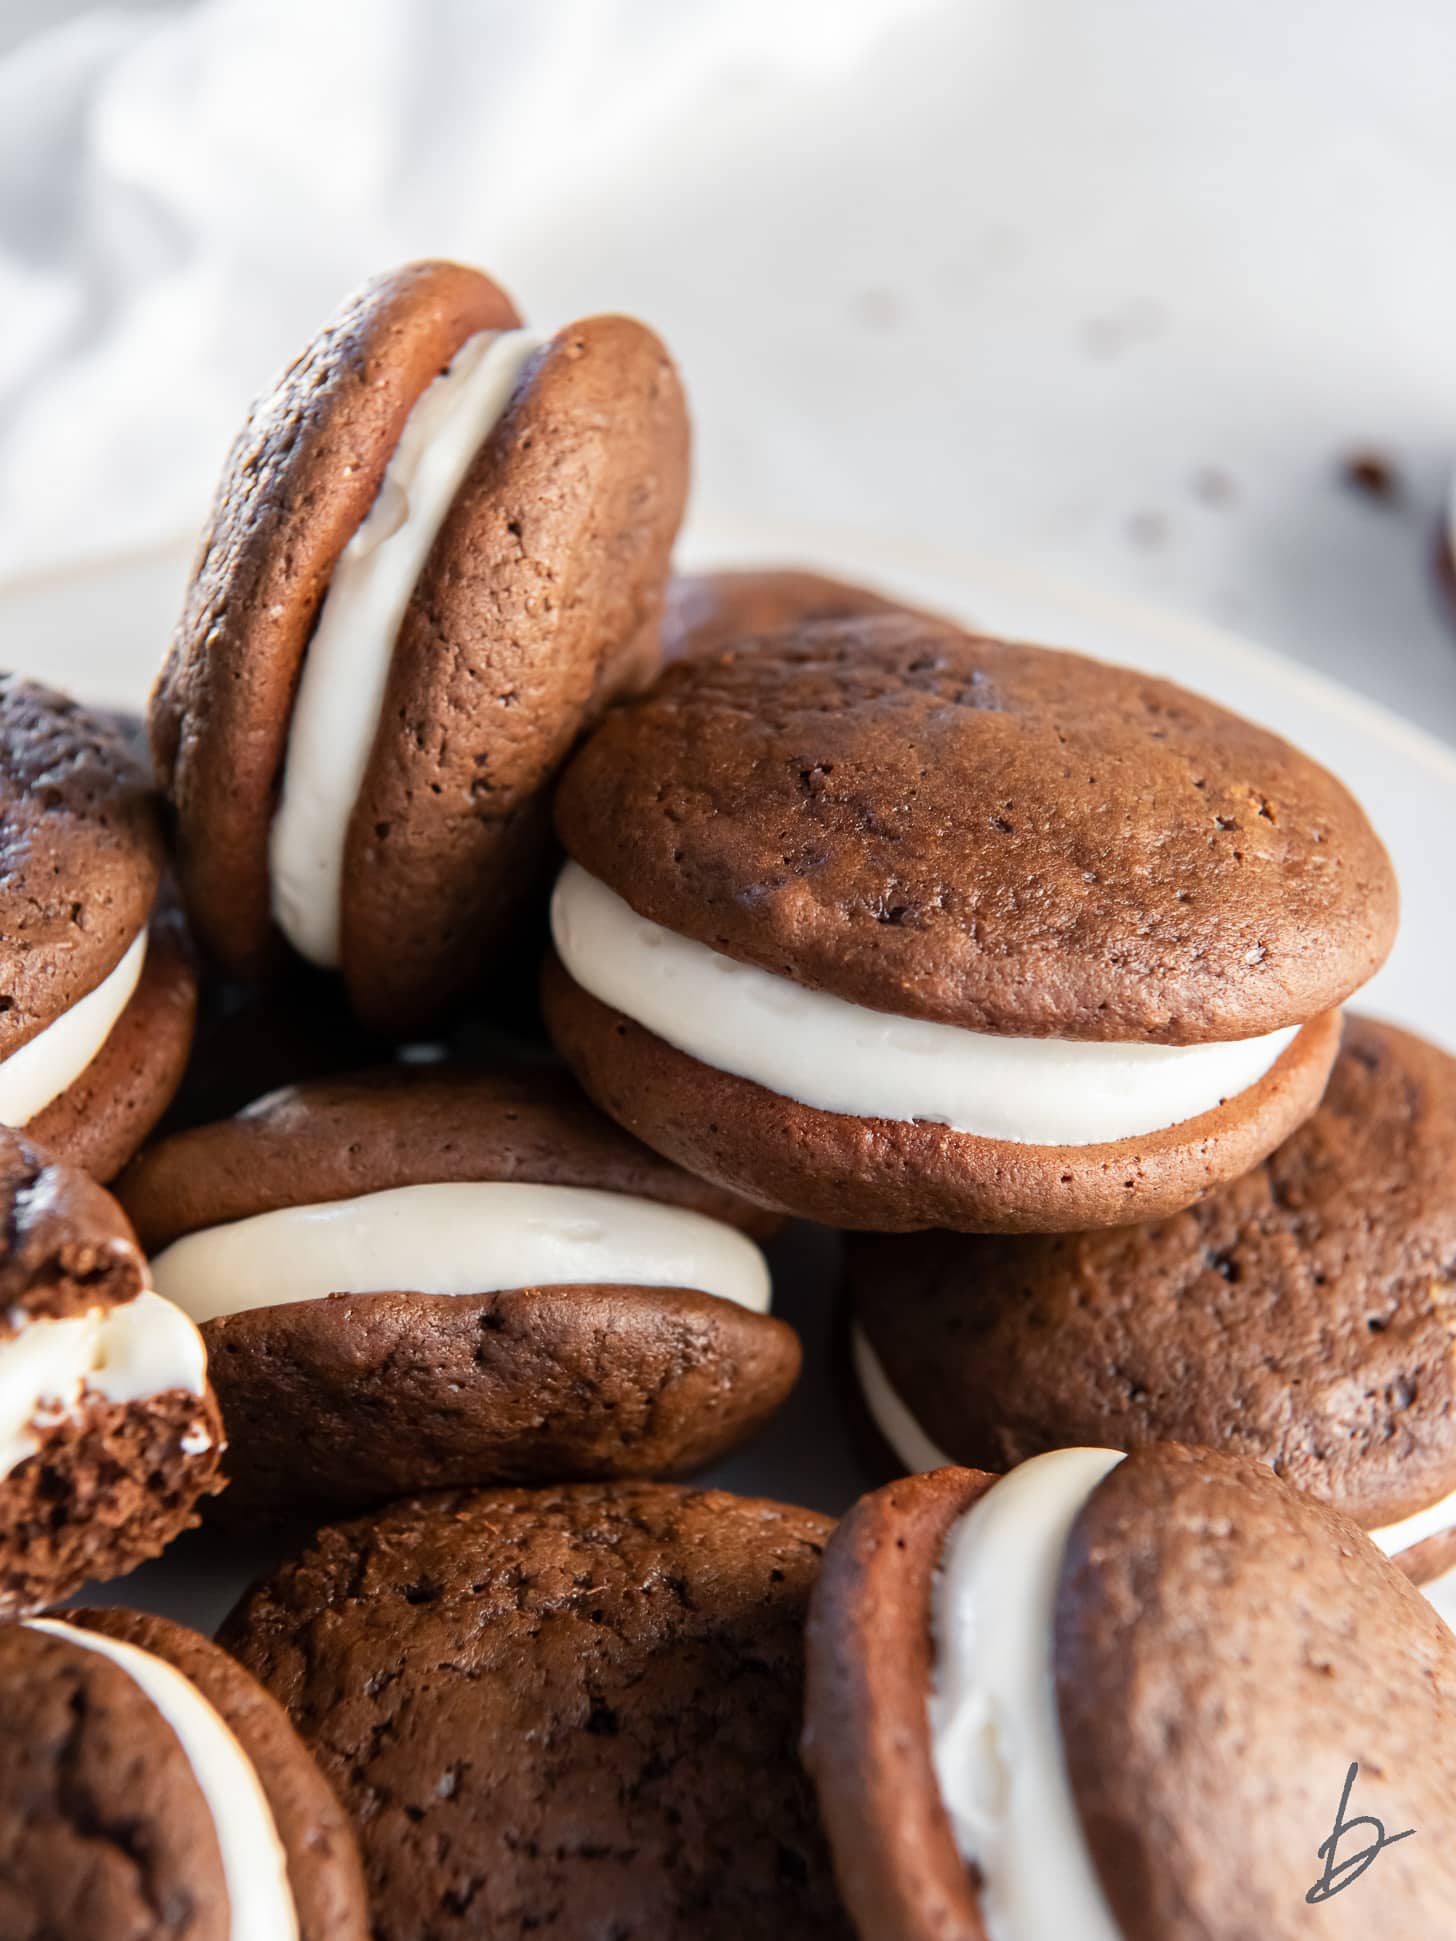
(101, 633)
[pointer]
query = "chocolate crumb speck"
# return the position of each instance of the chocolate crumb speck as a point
(1372, 474)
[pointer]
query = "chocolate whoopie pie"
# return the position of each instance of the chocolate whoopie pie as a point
(109, 1430)
(150, 1790)
(438, 549)
(568, 1711)
(893, 926)
(1302, 1314)
(706, 612)
(1246, 1700)
(435, 1276)
(97, 994)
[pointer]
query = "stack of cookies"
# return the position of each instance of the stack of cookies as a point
(493, 944)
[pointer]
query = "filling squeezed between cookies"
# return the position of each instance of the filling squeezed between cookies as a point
(50, 1063)
(341, 690)
(845, 1058)
(996, 1737)
(460, 1237)
(51, 1367)
(254, 1864)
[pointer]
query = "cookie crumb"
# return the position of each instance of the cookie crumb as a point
(1372, 474)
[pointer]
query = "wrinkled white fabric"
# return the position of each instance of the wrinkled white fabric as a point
(1110, 288)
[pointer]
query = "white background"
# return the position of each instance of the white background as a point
(1107, 286)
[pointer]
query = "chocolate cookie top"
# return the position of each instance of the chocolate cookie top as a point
(541, 600)
(864, 805)
(65, 1244)
(334, 1139)
(706, 612)
(303, 473)
(1225, 1650)
(1303, 1314)
(82, 855)
(571, 1708)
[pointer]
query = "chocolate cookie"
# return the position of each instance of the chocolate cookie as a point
(97, 994)
(437, 1276)
(109, 1430)
(151, 1791)
(707, 612)
(893, 926)
(569, 1710)
(437, 551)
(1302, 1314)
(1246, 1700)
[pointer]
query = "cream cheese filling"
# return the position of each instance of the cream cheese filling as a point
(842, 1057)
(50, 1368)
(996, 1737)
(468, 1237)
(341, 690)
(50, 1063)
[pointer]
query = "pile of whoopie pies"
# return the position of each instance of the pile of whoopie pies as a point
(490, 943)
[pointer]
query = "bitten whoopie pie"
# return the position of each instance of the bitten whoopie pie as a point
(567, 1711)
(706, 612)
(894, 926)
(1302, 1314)
(97, 995)
(432, 1276)
(150, 1790)
(1160, 1697)
(437, 550)
(109, 1430)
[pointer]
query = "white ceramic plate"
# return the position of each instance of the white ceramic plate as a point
(100, 633)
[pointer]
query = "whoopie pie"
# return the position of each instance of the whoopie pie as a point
(1160, 1697)
(436, 1275)
(109, 1429)
(150, 1790)
(894, 926)
(97, 993)
(1302, 1314)
(437, 550)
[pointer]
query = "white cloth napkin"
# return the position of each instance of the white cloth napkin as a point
(1112, 288)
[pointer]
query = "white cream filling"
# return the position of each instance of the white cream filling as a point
(1433, 1521)
(889, 1413)
(892, 1417)
(841, 1057)
(51, 1367)
(472, 1237)
(341, 690)
(51, 1062)
(996, 1737)
(254, 1864)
